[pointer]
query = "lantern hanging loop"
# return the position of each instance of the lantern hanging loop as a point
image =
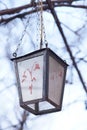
(15, 54)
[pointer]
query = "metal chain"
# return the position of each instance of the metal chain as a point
(38, 23)
(41, 28)
(20, 42)
(41, 25)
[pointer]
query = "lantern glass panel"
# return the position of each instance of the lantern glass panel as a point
(56, 76)
(45, 106)
(31, 78)
(32, 106)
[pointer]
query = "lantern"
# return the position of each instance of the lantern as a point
(41, 78)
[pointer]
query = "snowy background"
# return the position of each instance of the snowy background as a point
(74, 22)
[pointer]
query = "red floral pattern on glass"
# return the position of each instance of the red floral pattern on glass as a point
(55, 75)
(29, 73)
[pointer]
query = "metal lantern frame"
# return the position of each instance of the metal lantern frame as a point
(45, 53)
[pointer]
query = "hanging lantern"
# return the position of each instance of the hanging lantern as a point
(41, 78)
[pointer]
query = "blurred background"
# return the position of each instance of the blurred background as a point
(65, 31)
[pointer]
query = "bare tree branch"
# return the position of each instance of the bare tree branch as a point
(66, 43)
(22, 15)
(24, 118)
(14, 10)
(54, 3)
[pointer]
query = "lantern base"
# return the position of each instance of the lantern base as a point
(42, 107)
